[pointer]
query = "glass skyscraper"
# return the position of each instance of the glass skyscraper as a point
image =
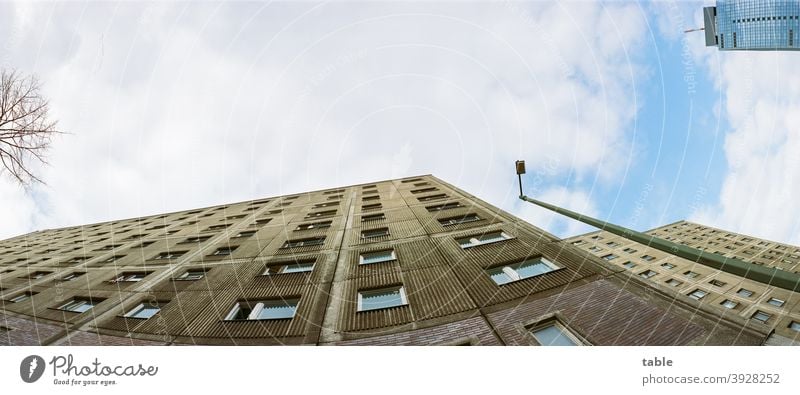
(753, 25)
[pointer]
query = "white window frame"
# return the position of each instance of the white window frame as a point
(400, 288)
(510, 270)
(392, 257)
(565, 330)
(782, 302)
(365, 237)
(768, 316)
(729, 304)
(645, 273)
(25, 296)
(794, 325)
(459, 220)
(129, 278)
(139, 308)
(751, 293)
(474, 242)
(258, 306)
(668, 265)
(674, 283)
(185, 276)
(629, 265)
(282, 267)
(72, 304)
(698, 290)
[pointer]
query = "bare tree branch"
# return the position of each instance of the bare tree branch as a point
(25, 126)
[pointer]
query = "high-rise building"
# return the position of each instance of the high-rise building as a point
(752, 25)
(725, 293)
(409, 261)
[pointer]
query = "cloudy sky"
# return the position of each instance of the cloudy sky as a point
(618, 113)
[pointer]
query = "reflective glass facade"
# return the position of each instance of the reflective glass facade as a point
(754, 25)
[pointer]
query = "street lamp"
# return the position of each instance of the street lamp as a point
(767, 275)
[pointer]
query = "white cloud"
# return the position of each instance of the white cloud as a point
(183, 105)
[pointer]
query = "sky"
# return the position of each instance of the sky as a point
(617, 112)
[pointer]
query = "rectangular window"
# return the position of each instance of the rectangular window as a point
(314, 225)
(37, 275)
(302, 266)
(674, 283)
(130, 277)
(372, 217)
(369, 186)
(717, 283)
(169, 255)
(610, 257)
(729, 304)
(648, 258)
(382, 298)
(192, 275)
(761, 316)
(321, 214)
(22, 297)
(424, 190)
(745, 293)
(71, 276)
(595, 249)
(369, 207)
(78, 305)
(520, 271)
(554, 334)
(312, 241)
(667, 265)
(278, 309)
(374, 233)
(369, 198)
(629, 265)
(217, 227)
(144, 310)
(463, 219)
(486, 238)
(647, 274)
(411, 180)
(334, 191)
(429, 198)
(442, 207)
(698, 294)
(795, 326)
(244, 234)
(195, 239)
(578, 242)
(335, 197)
(328, 204)
(224, 251)
(367, 258)
(691, 274)
(776, 302)
(612, 244)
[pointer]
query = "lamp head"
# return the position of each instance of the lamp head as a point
(520, 167)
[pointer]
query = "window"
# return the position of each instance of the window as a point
(647, 274)
(71, 276)
(290, 267)
(315, 225)
(367, 258)
(382, 298)
(245, 234)
(113, 258)
(320, 214)
(335, 197)
(108, 247)
(22, 297)
(795, 326)
(130, 277)
(256, 202)
(192, 275)
(610, 257)
(698, 294)
(278, 309)
(232, 217)
(260, 222)
(224, 251)
(486, 238)
(195, 239)
(597, 237)
(745, 293)
(372, 217)
(674, 283)
(612, 244)
(629, 250)
(411, 180)
(312, 241)
(761, 316)
(374, 206)
(595, 249)
(629, 265)
(78, 305)
(217, 227)
(690, 274)
(328, 204)
(432, 197)
(776, 302)
(459, 220)
(37, 275)
(144, 310)
(369, 186)
(374, 233)
(520, 271)
(442, 207)
(648, 258)
(424, 190)
(554, 334)
(578, 242)
(422, 184)
(334, 191)
(169, 255)
(368, 198)
(717, 283)
(729, 304)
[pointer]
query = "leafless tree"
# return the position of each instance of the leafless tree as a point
(25, 125)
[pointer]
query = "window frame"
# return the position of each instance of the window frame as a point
(392, 256)
(142, 306)
(504, 237)
(400, 289)
(255, 310)
(510, 269)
